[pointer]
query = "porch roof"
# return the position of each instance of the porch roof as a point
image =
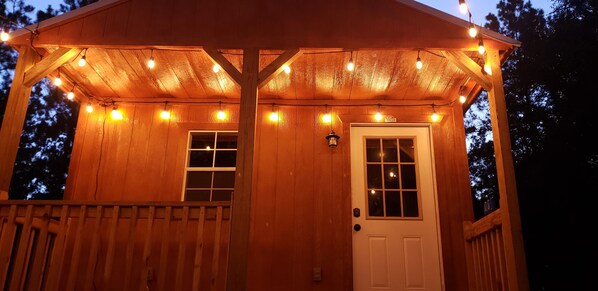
(382, 37)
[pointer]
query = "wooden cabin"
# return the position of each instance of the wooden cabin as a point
(274, 166)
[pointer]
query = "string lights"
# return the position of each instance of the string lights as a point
(116, 114)
(462, 97)
(221, 114)
(165, 113)
(418, 64)
(58, 80)
(327, 117)
(89, 107)
(434, 117)
(378, 116)
(83, 60)
(4, 36)
(151, 63)
(463, 7)
(71, 94)
(351, 64)
(274, 117)
(216, 68)
(286, 68)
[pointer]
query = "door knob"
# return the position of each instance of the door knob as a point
(357, 227)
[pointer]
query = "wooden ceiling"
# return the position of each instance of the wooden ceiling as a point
(315, 75)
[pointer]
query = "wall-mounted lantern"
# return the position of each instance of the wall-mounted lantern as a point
(332, 139)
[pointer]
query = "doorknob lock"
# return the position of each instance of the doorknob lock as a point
(357, 227)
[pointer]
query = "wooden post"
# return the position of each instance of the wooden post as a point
(512, 233)
(14, 118)
(236, 279)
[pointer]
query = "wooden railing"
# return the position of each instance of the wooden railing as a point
(486, 252)
(62, 245)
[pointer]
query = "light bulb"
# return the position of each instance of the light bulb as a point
(419, 65)
(4, 36)
(82, 61)
(488, 69)
(89, 108)
(151, 63)
(463, 6)
(351, 65)
(165, 114)
(116, 114)
(274, 116)
(221, 115)
(473, 32)
(462, 99)
(327, 118)
(435, 117)
(216, 68)
(70, 95)
(481, 48)
(57, 81)
(286, 69)
(378, 116)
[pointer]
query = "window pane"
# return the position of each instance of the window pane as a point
(390, 150)
(225, 179)
(201, 158)
(408, 177)
(197, 195)
(393, 203)
(372, 150)
(202, 140)
(407, 150)
(226, 159)
(391, 177)
(221, 195)
(227, 140)
(375, 203)
(410, 202)
(374, 173)
(197, 179)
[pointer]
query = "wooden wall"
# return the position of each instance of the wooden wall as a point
(301, 208)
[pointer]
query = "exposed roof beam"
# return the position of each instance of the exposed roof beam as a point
(276, 66)
(469, 67)
(229, 68)
(49, 64)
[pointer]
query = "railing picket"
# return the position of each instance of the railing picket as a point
(40, 250)
(6, 243)
(182, 245)
(147, 248)
(130, 245)
(198, 248)
(93, 255)
(111, 242)
(55, 272)
(16, 282)
(164, 250)
(216, 254)
(74, 266)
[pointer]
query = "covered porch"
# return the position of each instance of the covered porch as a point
(248, 60)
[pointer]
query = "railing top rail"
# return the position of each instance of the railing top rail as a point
(117, 203)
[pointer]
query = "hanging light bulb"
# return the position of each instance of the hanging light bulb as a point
(463, 6)
(378, 116)
(83, 59)
(273, 115)
(220, 115)
(89, 108)
(151, 63)
(165, 113)
(419, 65)
(327, 118)
(481, 48)
(351, 64)
(116, 114)
(57, 80)
(216, 68)
(70, 95)
(462, 97)
(286, 69)
(473, 31)
(4, 36)
(434, 117)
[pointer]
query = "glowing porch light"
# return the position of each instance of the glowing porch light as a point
(350, 65)
(327, 118)
(378, 116)
(116, 114)
(151, 63)
(418, 64)
(488, 69)
(165, 114)
(463, 7)
(286, 69)
(473, 31)
(274, 116)
(57, 80)
(462, 99)
(216, 68)
(89, 108)
(481, 48)
(435, 117)
(221, 115)
(70, 95)
(83, 60)
(4, 36)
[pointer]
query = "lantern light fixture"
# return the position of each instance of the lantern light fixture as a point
(332, 138)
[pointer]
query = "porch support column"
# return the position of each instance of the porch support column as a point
(236, 279)
(509, 205)
(14, 118)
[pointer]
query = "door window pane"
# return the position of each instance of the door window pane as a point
(375, 203)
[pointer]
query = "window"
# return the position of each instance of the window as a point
(211, 164)
(391, 178)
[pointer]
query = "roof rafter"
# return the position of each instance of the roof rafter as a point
(469, 67)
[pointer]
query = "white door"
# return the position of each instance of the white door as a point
(396, 240)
